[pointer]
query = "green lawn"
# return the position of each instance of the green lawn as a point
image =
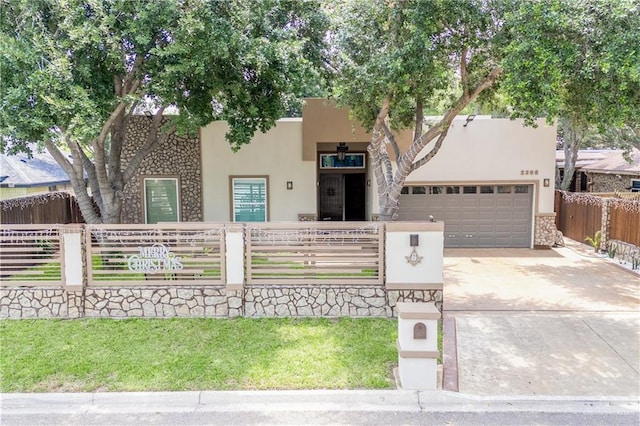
(196, 354)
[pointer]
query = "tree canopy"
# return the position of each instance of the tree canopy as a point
(568, 59)
(74, 72)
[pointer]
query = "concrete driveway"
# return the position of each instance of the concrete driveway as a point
(557, 322)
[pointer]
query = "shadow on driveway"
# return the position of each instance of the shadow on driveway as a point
(540, 322)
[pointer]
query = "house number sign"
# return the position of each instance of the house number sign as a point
(155, 258)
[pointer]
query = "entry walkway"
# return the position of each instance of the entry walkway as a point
(560, 322)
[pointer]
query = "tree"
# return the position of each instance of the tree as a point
(394, 60)
(74, 73)
(556, 58)
(577, 61)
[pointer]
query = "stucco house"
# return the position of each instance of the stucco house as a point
(491, 183)
(21, 175)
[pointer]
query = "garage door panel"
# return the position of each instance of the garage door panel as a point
(489, 219)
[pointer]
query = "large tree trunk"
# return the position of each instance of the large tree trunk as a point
(572, 139)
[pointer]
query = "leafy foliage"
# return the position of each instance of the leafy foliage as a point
(75, 71)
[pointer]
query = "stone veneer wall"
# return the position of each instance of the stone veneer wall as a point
(210, 302)
(601, 182)
(175, 157)
(40, 303)
(624, 252)
(546, 233)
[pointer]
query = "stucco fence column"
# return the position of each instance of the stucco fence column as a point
(414, 259)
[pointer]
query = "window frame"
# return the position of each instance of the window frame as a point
(174, 178)
(232, 205)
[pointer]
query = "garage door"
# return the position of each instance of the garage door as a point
(473, 215)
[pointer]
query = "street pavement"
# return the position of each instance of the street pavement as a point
(530, 337)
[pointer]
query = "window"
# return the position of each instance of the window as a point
(351, 161)
(521, 189)
(161, 200)
(635, 185)
(504, 189)
(249, 199)
(485, 189)
(453, 189)
(436, 190)
(469, 189)
(418, 190)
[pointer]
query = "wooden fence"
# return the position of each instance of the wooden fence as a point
(53, 207)
(624, 222)
(580, 215)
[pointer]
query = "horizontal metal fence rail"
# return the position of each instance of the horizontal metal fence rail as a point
(152, 255)
(315, 253)
(30, 255)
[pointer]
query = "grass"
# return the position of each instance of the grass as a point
(196, 354)
(44, 272)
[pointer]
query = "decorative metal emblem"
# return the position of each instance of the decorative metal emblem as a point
(414, 258)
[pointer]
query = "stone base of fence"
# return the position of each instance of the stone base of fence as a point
(209, 302)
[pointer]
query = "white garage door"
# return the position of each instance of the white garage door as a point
(473, 215)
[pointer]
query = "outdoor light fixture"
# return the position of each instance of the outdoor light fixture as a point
(414, 258)
(342, 149)
(289, 184)
(546, 182)
(470, 118)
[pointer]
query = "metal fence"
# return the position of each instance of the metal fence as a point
(314, 253)
(31, 255)
(161, 254)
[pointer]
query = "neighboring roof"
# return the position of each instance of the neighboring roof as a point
(615, 162)
(603, 161)
(21, 171)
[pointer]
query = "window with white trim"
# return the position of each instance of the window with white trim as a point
(249, 199)
(161, 200)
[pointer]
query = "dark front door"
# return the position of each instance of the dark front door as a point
(342, 196)
(354, 201)
(331, 197)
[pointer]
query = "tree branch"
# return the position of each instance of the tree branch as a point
(154, 138)
(417, 131)
(392, 140)
(77, 179)
(464, 76)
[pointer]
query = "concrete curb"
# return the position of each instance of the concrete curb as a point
(303, 401)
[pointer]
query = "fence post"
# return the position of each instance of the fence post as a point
(604, 223)
(72, 258)
(234, 257)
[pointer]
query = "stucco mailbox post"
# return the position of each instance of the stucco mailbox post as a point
(418, 345)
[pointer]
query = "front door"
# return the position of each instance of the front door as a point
(342, 196)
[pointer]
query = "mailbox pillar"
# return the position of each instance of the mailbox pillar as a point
(418, 345)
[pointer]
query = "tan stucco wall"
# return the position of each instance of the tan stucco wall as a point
(495, 150)
(276, 154)
(324, 122)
